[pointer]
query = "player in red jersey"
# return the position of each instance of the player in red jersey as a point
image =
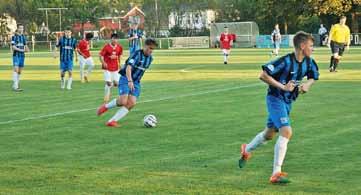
(226, 44)
(110, 57)
(85, 57)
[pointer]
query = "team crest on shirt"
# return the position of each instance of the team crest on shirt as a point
(131, 61)
(284, 120)
(271, 67)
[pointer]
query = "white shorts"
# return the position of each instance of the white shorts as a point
(85, 61)
(226, 51)
(111, 76)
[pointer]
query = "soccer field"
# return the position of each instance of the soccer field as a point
(52, 142)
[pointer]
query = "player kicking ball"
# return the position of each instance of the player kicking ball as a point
(284, 78)
(85, 57)
(110, 57)
(129, 82)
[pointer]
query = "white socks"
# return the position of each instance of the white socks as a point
(107, 90)
(258, 140)
(111, 104)
(81, 66)
(279, 153)
(62, 83)
(225, 56)
(16, 78)
(70, 80)
(122, 112)
(90, 69)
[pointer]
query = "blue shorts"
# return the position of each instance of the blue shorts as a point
(18, 61)
(278, 112)
(123, 87)
(66, 66)
(277, 44)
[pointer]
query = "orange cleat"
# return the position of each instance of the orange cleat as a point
(101, 110)
(112, 124)
(245, 156)
(279, 178)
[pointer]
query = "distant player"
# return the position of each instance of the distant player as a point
(226, 40)
(19, 47)
(85, 57)
(284, 78)
(129, 83)
(110, 57)
(135, 36)
(67, 46)
(339, 38)
(322, 31)
(276, 40)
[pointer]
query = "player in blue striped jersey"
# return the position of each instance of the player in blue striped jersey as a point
(67, 46)
(129, 82)
(135, 36)
(19, 47)
(284, 77)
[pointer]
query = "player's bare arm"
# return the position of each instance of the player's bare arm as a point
(129, 76)
(305, 87)
(104, 65)
(290, 86)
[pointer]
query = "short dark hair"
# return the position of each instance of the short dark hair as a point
(19, 24)
(68, 28)
(301, 37)
(226, 27)
(89, 36)
(151, 41)
(114, 36)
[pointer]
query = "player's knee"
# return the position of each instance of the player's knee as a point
(130, 105)
(286, 132)
(109, 84)
(269, 133)
(115, 84)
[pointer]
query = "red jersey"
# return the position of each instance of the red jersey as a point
(84, 48)
(111, 56)
(226, 40)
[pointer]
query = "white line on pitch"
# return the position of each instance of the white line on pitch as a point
(146, 101)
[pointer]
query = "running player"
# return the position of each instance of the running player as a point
(19, 47)
(110, 57)
(284, 78)
(85, 57)
(129, 83)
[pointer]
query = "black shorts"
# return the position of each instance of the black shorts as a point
(337, 48)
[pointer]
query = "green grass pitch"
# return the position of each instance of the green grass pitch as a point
(52, 142)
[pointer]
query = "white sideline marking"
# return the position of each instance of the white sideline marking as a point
(146, 101)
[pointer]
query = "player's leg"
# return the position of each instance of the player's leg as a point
(335, 50)
(70, 73)
(280, 117)
(277, 47)
(338, 56)
(108, 85)
(63, 69)
(16, 70)
(90, 63)
(81, 68)
(225, 56)
(261, 138)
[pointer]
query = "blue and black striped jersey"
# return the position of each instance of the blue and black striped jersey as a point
(67, 47)
(287, 68)
(135, 42)
(20, 42)
(139, 62)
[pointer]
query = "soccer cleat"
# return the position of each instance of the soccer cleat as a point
(112, 124)
(18, 89)
(101, 110)
(245, 156)
(86, 79)
(279, 178)
(225, 62)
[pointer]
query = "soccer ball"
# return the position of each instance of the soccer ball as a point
(150, 121)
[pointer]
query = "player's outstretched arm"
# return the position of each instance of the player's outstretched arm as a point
(290, 86)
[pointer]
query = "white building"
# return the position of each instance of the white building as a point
(192, 20)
